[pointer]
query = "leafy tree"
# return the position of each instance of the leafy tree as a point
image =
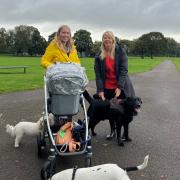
(128, 45)
(42, 44)
(21, 40)
(33, 45)
(38, 43)
(172, 47)
(95, 48)
(139, 48)
(28, 41)
(154, 43)
(3, 36)
(83, 41)
(178, 49)
(51, 37)
(10, 40)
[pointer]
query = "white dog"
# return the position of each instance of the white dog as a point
(100, 172)
(27, 128)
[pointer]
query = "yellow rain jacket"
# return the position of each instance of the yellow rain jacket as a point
(55, 54)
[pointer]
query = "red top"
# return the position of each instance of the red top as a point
(110, 81)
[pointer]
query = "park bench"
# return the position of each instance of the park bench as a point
(14, 67)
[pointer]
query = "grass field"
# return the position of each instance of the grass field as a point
(177, 63)
(12, 80)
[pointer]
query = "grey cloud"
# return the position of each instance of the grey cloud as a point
(130, 15)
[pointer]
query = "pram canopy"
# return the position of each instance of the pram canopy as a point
(66, 79)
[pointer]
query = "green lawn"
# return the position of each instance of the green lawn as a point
(136, 65)
(12, 80)
(177, 63)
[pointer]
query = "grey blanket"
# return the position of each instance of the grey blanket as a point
(66, 78)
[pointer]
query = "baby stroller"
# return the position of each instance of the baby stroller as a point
(64, 85)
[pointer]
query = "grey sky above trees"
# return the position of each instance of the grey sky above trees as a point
(128, 19)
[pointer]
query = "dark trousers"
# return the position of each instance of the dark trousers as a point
(110, 93)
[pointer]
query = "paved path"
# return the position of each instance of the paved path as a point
(155, 131)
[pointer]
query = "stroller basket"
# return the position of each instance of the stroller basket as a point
(64, 104)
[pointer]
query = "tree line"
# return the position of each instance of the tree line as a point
(26, 40)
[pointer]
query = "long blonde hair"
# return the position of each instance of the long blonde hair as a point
(103, 50)
(70, 43)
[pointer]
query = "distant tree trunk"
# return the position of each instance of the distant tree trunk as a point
(142, 53)
(151, 54)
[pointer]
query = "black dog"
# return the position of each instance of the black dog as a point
(122, 112)
(98, 110)
(119, 112)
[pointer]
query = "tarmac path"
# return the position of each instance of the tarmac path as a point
(155, 131)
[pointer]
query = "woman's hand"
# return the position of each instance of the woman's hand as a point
(101, 95)
(117, 92)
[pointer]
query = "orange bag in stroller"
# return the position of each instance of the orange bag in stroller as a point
(64, 138)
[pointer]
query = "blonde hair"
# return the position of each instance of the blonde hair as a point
(103, 50)
(69, 44)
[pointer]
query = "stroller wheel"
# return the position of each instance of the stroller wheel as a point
(47, 171)
(88, 162)
(40, 145)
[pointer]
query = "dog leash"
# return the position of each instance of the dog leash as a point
(74, 172)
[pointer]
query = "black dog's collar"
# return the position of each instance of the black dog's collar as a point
(74, 172)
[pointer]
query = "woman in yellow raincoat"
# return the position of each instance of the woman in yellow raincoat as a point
(61, 49)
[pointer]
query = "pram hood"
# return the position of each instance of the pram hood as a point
(66, 79)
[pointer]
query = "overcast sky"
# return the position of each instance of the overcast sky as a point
(128, 19)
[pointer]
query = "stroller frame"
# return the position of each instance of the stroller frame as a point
(49, 166)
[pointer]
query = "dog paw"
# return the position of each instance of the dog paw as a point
(94, 134)
(126, 139)
(110, 136)
(16, 145)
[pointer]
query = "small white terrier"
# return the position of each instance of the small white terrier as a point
(100, 172)
(27, 128)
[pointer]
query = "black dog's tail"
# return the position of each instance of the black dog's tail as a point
(88, 97)
(140, 167)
